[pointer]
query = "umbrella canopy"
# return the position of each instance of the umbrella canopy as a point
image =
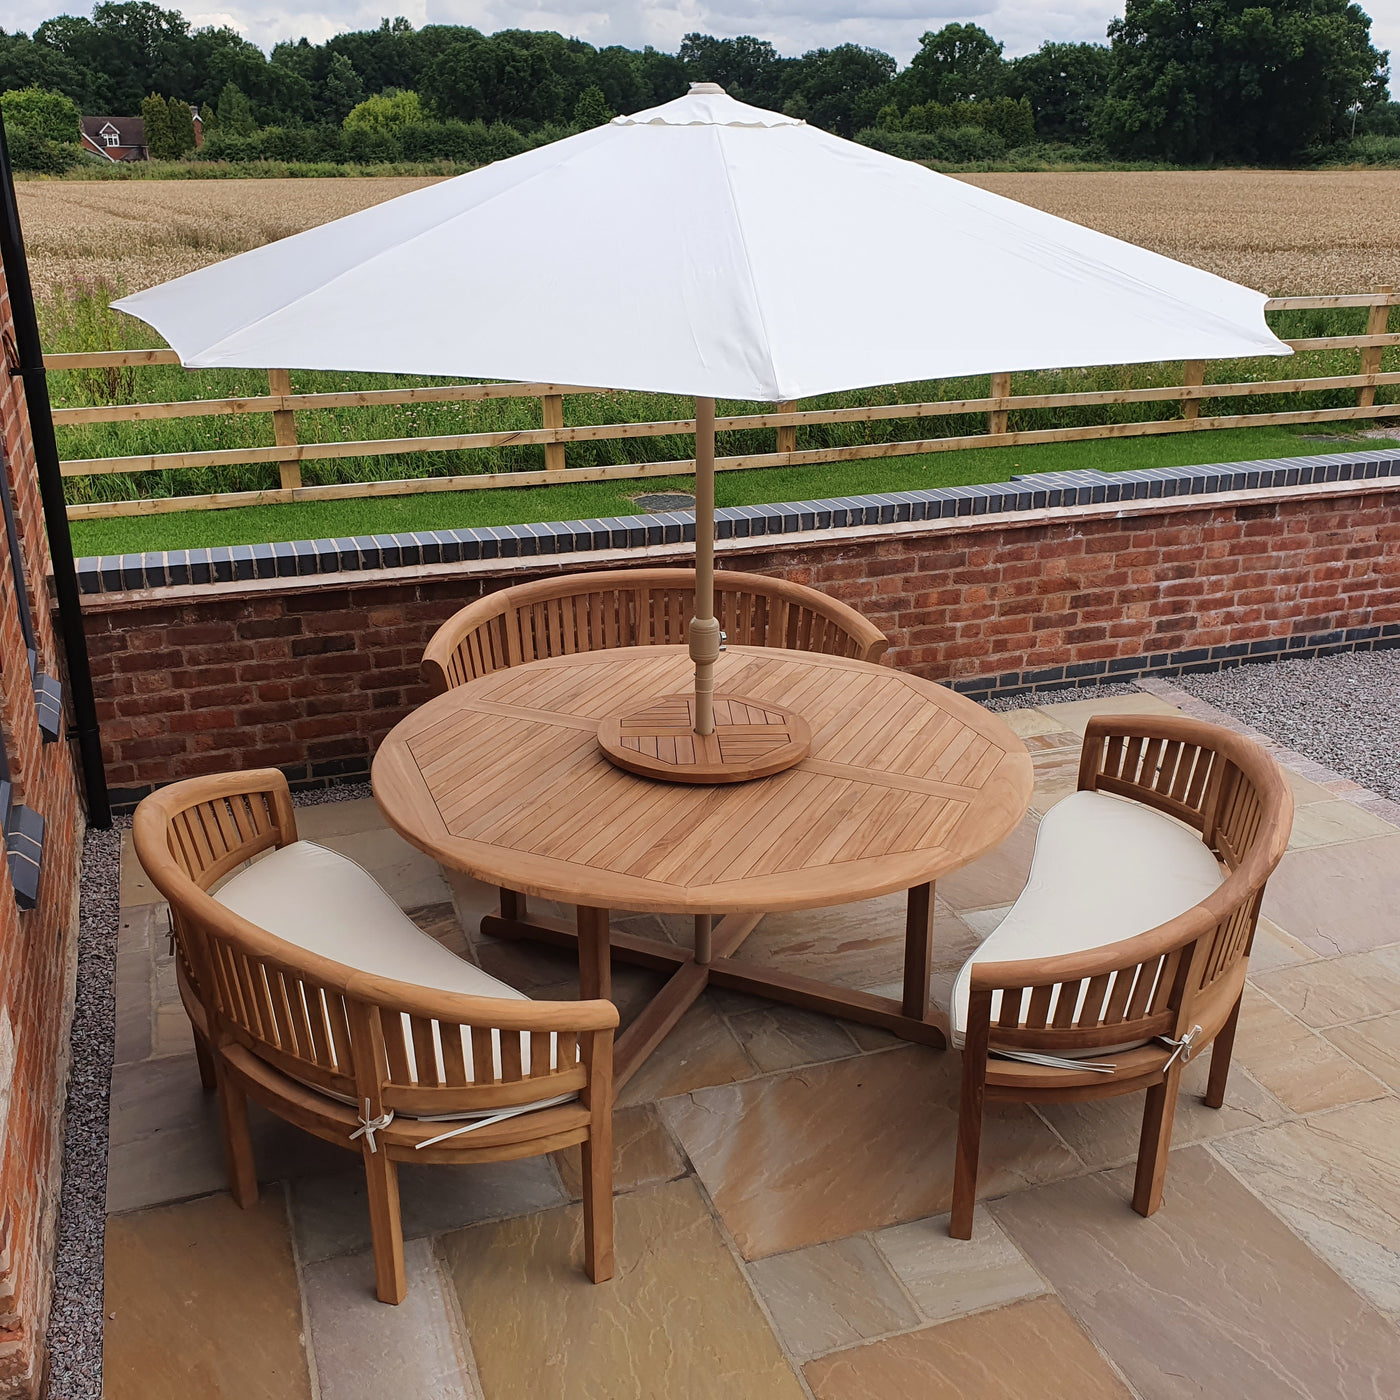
(710, 248)
(704, 247)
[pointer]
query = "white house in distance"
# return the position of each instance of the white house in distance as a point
(124, 138)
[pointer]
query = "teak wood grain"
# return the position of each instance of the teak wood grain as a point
(503, 779)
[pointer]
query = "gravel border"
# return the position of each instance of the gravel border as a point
(1033, 699)
(75, 1320)
(1341, 711)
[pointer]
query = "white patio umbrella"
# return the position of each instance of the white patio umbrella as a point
(705, 248)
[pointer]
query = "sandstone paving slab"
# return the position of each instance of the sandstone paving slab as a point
(367, 1351)
(324, 820)
(782, 1037)
(136, 887)
(1056, 776)
(820, 1153)
(1338, 899)
(1075, 714)
(699, 1051)
(409, 877)
(1335, 1178)
(1106, 1132)
(1327, 823)
(1275, 947)
(678, 1320)
(831, 1295)
(440, 921)
(165, 1143)
(1212, 1296)
(856, 945)
(201, 1300)
(1304, 1071)
(949, 1278)
(1029, 1349)
(998, 878)
(1332, 991)
(330, 1213)
(1029, 722)
(643, 1153)
(1373, 1044)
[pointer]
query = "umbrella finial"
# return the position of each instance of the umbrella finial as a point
(708, 88)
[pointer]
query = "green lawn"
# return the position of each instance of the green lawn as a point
(446, 510)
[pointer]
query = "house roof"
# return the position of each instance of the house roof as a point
(132, 130)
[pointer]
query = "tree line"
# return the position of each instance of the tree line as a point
(1190, 82)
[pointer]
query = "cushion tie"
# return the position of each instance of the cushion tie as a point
(369, 1126)
(475, 1124)
(1034, 1057)
(1184, 1046)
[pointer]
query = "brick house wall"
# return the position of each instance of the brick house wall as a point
(37, 947)
(310, 674)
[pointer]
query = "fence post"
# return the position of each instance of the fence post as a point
(284, 427)
(553, 417)
(787, 437)
(998, 417)
(1193, 373)
(1377, 323)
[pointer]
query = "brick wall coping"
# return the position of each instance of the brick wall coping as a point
(498, 566)
(179, 572)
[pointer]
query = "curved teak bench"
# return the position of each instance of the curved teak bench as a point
(637, 607)
(323, 1026)
(1126, 953)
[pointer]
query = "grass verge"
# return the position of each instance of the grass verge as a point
(589, 500)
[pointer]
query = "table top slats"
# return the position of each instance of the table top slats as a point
(503, 778)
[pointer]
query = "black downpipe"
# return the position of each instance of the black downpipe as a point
(65, 575)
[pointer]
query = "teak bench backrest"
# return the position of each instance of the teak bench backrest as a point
(1230, 791)
(637, 607)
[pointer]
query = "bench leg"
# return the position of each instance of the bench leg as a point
(918, 950)
(386, 1228)
(1220, 1052)
(598, 1202)
(238, 1140)
(594, 955)
(1157, 1119)
(204, 1057)
(970, 1108)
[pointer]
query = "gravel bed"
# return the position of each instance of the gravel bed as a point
(1059, 697)
(75, 1322)
(1342, 711)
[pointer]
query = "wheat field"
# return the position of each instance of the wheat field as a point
(1283, 232)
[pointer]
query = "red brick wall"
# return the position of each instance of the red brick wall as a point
(37, 947)
(312, 677)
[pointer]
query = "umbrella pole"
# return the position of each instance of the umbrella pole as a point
(704, 627)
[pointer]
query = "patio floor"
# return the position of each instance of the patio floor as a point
(782, 1179)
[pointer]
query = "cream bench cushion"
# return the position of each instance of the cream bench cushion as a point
(323, 902)
(1104, 869)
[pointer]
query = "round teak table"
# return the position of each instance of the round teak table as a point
(905, 781)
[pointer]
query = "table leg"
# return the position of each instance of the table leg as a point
(594, 955)
(704, 941)
(513, 906)
(918, 950)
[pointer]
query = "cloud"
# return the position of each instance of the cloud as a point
(793, 26)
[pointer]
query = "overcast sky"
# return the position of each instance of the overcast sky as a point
(793, 26)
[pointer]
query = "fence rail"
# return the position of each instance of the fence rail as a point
(288, 453)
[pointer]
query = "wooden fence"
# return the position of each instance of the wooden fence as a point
(288, 453)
